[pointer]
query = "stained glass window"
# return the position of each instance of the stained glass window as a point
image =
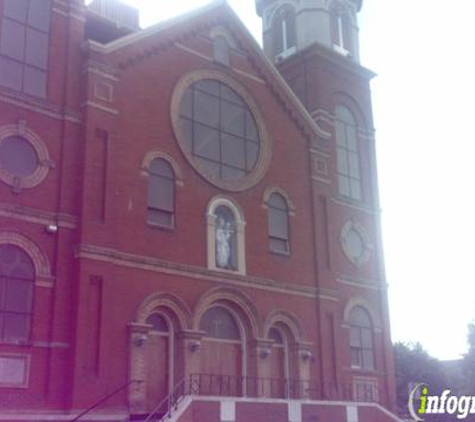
(219, 130)
(217, 322)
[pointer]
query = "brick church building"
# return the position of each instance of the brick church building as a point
(189, 224)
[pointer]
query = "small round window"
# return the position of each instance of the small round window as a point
(217, 128)
(17, 156)
(356, 243)
(24, 158)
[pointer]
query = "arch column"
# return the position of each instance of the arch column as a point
(138, 334)
(301, 352)
(188, 355)
(259, 367)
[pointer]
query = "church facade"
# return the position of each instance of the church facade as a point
(189, 223)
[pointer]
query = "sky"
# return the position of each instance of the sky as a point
(422, 52)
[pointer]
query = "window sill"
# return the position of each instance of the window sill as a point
(16, 343)
(280, 253)
(227, 271)
(161, 227)
(43, 102)
(222, 64)
(349, 199)
(372, 371)
(359, 204)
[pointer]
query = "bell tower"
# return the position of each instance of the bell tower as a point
(292, 25)
(315, 46)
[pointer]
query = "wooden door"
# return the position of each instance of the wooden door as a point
(277, 372)
(221, 354)
(278, 383)
(221, 367)
(157, 376)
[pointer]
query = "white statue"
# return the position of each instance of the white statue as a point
(223, 242)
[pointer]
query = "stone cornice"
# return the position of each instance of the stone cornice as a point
(362, 282)
(341, 200)
(147, 263)
(332, 57)
(37, 216)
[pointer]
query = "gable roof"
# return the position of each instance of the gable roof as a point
(220, 9)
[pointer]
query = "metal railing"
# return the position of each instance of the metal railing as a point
(275, 388)
(104, 399)
(354, 391)
(238, 386)
(168, 405)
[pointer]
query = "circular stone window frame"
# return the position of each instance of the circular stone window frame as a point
(349, 226)
(44, 162)
(265, 147)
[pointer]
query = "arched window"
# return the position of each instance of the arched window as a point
(217, 322)
(341, 30)
(274, 334)
(285, 39)
(161, 193)
(349, 179)
(279, 240)
(221, 50)
(225, 236)
(17, 276)
(361, 339)
(158, 323)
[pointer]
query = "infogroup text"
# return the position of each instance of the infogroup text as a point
(421, 403)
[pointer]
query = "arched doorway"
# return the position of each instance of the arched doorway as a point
(221, 353)
(159, 360)
(156, 355)
(279, 364)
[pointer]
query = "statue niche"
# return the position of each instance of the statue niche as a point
(225, 236)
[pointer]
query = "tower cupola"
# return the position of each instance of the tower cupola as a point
(292, 25)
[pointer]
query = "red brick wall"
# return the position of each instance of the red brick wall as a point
(97, 180)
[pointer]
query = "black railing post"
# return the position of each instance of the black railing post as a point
(168, 404)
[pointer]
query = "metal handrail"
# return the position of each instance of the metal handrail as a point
(249, 386)
(238, 386)
(171, 401)
(104, 399)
